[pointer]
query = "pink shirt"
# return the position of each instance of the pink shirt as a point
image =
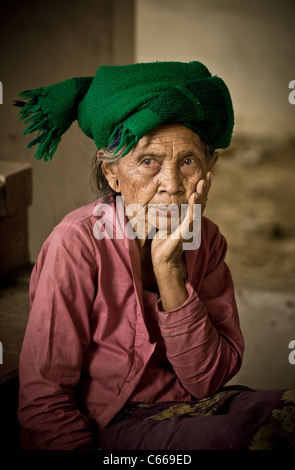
(95, 339)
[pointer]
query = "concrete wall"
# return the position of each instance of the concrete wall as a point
(250, 44)
(15, 198)
(40, 44)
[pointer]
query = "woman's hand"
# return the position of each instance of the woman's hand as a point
(167, 252)
(168, 263)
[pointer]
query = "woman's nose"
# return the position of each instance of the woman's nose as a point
(171, 181)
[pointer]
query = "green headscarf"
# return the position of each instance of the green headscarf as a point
(129, 101)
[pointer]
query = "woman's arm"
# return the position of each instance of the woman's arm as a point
(202, 335)
(172, 288)
(201, 329)
(61, 293)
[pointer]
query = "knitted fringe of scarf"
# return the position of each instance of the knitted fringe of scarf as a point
(128, 139)
(48, 137)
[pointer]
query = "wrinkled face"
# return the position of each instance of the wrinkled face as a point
(163, 168)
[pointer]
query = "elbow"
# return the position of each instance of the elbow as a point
(212, 381)
(204, 390)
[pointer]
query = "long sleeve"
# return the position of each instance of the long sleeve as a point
(202, 337)
(61, 294)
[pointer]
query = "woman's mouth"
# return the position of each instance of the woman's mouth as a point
(171, 210)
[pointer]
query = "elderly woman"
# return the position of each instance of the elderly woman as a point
(131, 338)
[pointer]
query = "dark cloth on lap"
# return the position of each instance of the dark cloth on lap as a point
(234, 418)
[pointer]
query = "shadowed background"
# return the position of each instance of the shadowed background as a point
(251, 46)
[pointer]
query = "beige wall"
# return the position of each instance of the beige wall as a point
(248, 43)
(40, 44)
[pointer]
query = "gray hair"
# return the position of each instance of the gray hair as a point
(99, 183)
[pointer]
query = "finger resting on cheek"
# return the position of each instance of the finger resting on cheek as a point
(204, 186)
(200, 186)
(192, 198)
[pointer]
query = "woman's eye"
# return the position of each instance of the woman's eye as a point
(191, 161)
(151, 163)
(147, 161)
(150, 166)
(190, 165)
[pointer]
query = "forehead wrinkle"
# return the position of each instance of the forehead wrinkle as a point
(173, 140)
(151, 148)
(156, 147)
(171, 152)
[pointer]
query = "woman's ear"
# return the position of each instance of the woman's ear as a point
(110, 172)
(212, 161)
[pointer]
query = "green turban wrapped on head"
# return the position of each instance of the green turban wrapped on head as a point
(126, 102)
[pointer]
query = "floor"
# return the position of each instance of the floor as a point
(265, 364)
